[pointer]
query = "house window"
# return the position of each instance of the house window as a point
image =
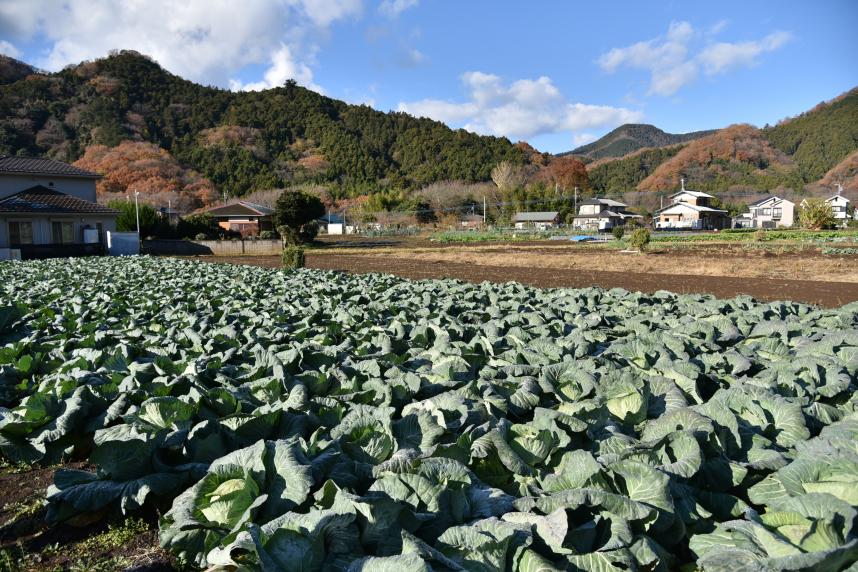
(767, 212)
(20, 232)
(777, 213)
(62, 232)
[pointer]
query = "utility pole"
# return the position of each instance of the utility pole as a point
(484, 211)
(137, 212)
(575, 204)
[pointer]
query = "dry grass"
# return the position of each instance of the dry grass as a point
(731, 262)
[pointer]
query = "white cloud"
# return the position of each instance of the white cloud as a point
(722, 57)
(208, 41)
(582, 139)
(411, 58)
(7, 49)
(393, 8)
(670, 64)
(283, 67)
(522, 109)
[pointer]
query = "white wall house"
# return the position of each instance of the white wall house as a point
(540, 219)
(840, 208)
(770, 212)
(602, 214)
(49, 208)
(690, 210)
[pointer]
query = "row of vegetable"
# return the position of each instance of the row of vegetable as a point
(310, 420)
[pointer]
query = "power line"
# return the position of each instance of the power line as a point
(464, 208)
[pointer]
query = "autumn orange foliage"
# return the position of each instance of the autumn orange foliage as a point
(135, 166)
(845, 173)
(735, 144)
(566, 172)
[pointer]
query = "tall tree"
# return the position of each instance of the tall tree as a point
(507, 176)
(294, 214)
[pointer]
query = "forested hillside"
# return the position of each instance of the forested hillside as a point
(239, 141)
(820, 138)
(632, 137)
(813, 152)
(616, 176)
(145, 128)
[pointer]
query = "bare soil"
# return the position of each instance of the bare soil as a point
(28, 543)
(827, 294)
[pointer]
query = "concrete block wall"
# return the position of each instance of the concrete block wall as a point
(213, 247)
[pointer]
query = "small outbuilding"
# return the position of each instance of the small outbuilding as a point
(538, 219)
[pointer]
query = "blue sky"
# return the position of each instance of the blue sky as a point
(556, 74)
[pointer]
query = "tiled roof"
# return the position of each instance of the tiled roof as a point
(605, 213)
(697, 194)
(240, 208)
(539, 216)
(13, 165)
(41, 199)
(607, 202)
(692, 207)
(331, 219)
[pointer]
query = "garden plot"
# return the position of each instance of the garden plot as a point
(314, 420)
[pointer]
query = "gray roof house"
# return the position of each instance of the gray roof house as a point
(602, 214)
(536, 217)
(48, 208)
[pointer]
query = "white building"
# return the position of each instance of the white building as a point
(602, 214)
(540, 219)
(49, 208)
(839, 206)
(690, 210)
(770, 212)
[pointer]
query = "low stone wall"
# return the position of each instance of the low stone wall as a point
(213, 247)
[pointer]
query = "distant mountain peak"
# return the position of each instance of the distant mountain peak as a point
(631, 137)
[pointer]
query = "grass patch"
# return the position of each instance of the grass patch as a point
(112, 538)
(24, 508)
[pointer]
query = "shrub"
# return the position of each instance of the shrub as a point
(618, 232)
(267, 235)
(760, 235)
(293, 257)
(816, 214)
(150, 223)
(639, 238)
(196, 225)
(201, 236)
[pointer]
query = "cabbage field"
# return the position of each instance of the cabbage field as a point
(312, 421)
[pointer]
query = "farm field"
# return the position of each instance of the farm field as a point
(255, 419)
(722, 270)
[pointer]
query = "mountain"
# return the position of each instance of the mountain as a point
(737, 155)
(810, 152)
(11, 70)
(820, 138)
(631, 137)
(237, 141)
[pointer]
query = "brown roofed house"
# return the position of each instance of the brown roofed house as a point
(244, 217)
(48, 208)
